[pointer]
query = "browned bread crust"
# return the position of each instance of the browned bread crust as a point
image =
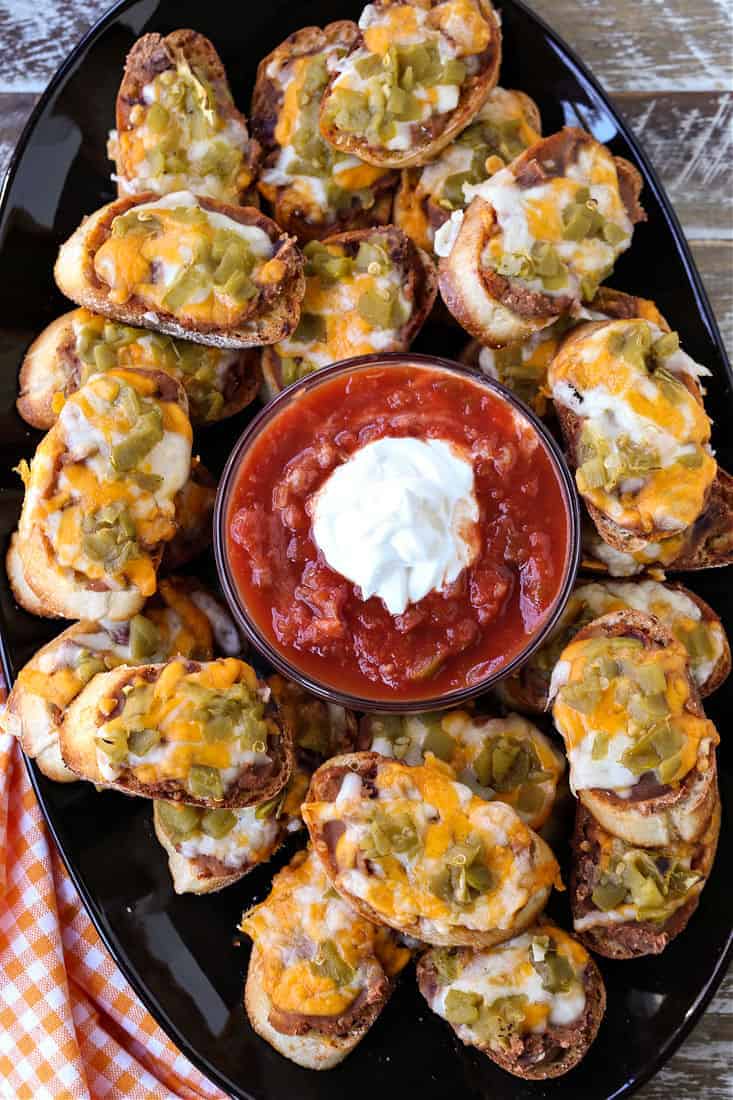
(437, 135)
(272, 314)
(153, 54)
(194, 515)
(630, 939)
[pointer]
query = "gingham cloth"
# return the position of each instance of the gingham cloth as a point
(71, 1028)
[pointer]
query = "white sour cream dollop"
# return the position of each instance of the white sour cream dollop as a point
(399, 519)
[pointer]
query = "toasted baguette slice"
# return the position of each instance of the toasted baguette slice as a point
(305, 924)
(706, 544)
(474, 35)
(23, 594)
(195, 110)
(344, 797)
(62, 358)
(322, 191)
(405, 274)
(182, 618)
(494, 1015)
(194, 515)
(604, 864)
(689, 618)
(672, 798)
(67, 508)
(274, 289)
(628, 521)
(202, 859)
(499, 309)
(507, 123)
(107, 713)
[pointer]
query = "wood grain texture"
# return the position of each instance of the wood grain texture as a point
(666, 64)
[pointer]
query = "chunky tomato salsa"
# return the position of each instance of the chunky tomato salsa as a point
(455, 635)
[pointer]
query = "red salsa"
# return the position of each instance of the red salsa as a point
(451, 639)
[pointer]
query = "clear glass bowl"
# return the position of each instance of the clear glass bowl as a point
(324, 690)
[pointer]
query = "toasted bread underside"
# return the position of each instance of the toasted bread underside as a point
(23, 594)
(78, 749)
(191, 876)
(362, 763)
(419, 274)
(539, 1056)
(493, 308)
(75, 277)
(673, 813)
(632, 939)
(153, 54)
(315, 1050)
(472, 97)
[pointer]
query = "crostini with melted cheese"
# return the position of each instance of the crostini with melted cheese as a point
(367, 291)
(183, 618)
(414, 78)
(177, 128)
(692, 621)
(314, 189)
(508, 759)
(319, 973)
(507, 123)
(538, 237)
(187, 266)
(640, 749)
(533, 1004)
(184, 731)
(412, 848)
(630, 407)
(100, 498)
(219, 382)
(629, 901)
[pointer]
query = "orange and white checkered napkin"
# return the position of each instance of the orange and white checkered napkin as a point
(71, 1028)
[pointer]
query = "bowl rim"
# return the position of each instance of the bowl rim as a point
(320, 688)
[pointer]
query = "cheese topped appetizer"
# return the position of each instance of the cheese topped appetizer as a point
(412, 848)
(538, 237)
(506, 125)
(315, 190)
(100, 496)
(630, 407)
(688, 617)
(533, 1004)
(319, 973)
(177, 126)
(629, 901)
(523, 367)
(181, 619)
(218, 381)
(507, 759)
(641, 751)
(190, 267)
(415, 77)
(183, 731)
(366, 291)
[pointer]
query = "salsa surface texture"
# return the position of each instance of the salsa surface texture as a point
(449, 640)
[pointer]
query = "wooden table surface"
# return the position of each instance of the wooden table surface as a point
(667, 66)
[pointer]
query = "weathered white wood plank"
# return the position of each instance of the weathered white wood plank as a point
(36, 36)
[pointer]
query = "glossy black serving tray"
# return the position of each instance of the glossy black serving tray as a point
(182, 954)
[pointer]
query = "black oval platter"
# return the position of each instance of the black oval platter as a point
(182, 954)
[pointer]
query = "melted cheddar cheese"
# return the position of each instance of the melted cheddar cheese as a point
(652, 557)
(237, 838)
(492, 997)
(103, 482)
(306, 176)
(441, 855)
(179, 138)
(172, 255)
(645, 458)
(507, 759)
(621, 708)
(318, 955)
(200, 728)
(374, 96)
(498, 133)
